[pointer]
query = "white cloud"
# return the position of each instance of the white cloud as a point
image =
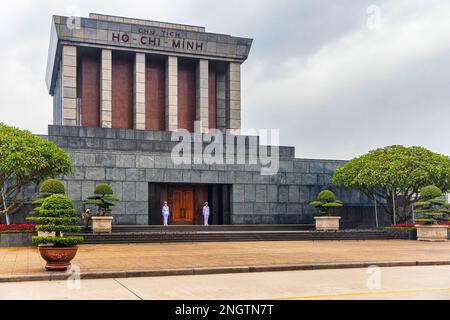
(333, 87)
(357, 59)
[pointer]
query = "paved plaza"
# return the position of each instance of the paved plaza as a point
(110, 258)
(419, 282)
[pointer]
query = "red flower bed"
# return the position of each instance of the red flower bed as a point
(412, 224)
(17, 227)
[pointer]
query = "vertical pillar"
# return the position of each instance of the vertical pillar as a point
(69, 58)
(221, 100)
(105, 89)
(233, 97)
(171, 94)
(139, 91)
(202, 94)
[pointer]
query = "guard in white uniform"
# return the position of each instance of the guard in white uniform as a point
(206, 213)
(165, 213)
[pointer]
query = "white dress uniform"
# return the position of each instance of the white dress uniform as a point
(206, 214)
(165, 213)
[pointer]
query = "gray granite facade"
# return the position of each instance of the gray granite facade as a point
(130, 159)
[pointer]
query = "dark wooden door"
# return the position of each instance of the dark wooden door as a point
(183, 205)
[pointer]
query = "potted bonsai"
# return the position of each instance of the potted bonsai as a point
(325, 201)
(56, 214)
(103, 195)
(48, 188)
(432, 208)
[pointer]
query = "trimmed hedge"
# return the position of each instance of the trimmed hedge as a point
(52, 186)
(58, 241)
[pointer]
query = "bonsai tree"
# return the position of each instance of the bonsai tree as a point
(48, 188)
(326, 200)
(103, 195)
(51, 186)
(432, 207)
(56, 214)
(395, 171)
(26, 159)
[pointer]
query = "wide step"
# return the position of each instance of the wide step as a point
(160, 234)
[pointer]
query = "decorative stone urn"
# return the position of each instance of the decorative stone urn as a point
(57, 258)
(101, 224)
(327, 223)
(432, 232)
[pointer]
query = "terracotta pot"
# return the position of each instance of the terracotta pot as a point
(326, 223)
(58, 258)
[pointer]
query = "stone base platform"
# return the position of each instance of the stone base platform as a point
(154, 259)
(226, 233)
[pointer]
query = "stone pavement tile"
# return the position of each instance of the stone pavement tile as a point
(59, 290)
(122, 257)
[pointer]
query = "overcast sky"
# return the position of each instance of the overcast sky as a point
(338, 78)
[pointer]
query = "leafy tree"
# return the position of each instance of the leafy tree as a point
(431, 206)
(56, 214)
(395, 171)
(103, 195)
(325, 201)
(26, 159)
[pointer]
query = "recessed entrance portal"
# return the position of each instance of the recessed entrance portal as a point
(183, 204)
(186, 203)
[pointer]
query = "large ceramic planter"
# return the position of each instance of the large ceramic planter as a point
(432, 232)
(58, 258)
(101, 224)
(327, 223)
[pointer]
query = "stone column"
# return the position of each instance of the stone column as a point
(105, 89)
(202, 95)
(69, 86)
(233, 97)
(172, 94)
(221, 101)
(139, 91)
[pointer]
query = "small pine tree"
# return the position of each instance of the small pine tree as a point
(431, 206)
(48, 188)
(103, 195)
(326, 200)
(56, 214)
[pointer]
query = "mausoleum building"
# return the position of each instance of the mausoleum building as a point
(122, 87)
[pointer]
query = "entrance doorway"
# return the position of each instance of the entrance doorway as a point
(183, 205)
(186, 202)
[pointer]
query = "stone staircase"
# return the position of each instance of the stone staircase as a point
(188, 233)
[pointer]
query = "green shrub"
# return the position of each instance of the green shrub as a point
(58, 241)
(48, 187)
(326, 200)
(52, 186)
(326, 195)
(103, 189)
(431, 206)
(56, 214)
(103, 195)
(430, 192)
